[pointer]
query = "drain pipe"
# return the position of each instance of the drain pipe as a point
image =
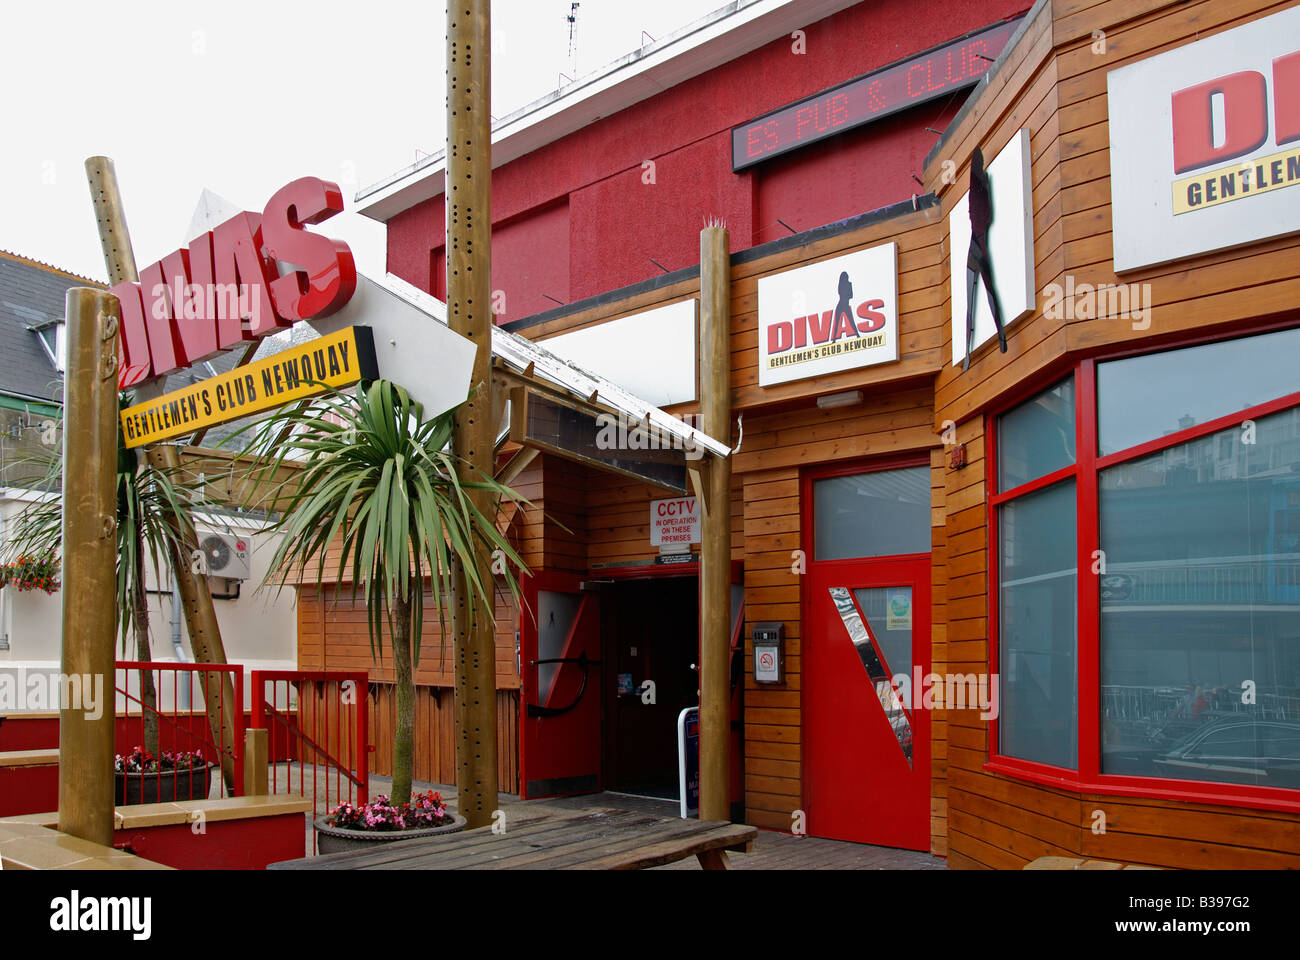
(177, 647)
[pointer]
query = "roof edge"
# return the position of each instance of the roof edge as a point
(50, 268)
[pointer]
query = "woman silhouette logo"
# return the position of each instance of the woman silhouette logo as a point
(845, 326)
(979, 265)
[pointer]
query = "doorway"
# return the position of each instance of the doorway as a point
(650, 633)
(867, 611)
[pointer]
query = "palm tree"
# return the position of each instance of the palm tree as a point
(379, 481)
(147, 498)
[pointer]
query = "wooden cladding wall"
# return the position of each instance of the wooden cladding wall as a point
(1054, 83)
(938, 652)
(773, 736)
(618, 521)
(435, 746)
(335, 636)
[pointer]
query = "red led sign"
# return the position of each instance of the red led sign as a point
(927, 76)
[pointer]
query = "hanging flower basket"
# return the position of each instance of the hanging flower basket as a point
(32, 573)
(348, 827)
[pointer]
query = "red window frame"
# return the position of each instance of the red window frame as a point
(1088, 778)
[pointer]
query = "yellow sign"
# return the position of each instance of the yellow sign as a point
(338, 360)
(1239, 180)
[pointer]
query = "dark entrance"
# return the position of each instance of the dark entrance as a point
(649, 631)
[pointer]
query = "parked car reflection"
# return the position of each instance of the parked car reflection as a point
(1236, 750)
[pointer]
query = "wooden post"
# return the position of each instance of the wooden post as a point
(86, 708)
(256, 758)
(715, 533)
(196, 596)
(469, 295)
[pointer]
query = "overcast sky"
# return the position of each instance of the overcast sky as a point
(243, 96)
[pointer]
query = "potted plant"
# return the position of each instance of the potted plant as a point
(379, 480)
(140, 777)
(349, 827)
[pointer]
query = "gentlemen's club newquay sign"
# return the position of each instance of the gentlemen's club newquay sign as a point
(253, 275)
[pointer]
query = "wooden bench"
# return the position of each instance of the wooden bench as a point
(554, 839)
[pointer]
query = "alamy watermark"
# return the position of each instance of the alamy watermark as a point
(1100, 301)
(948, 691)
(624, 433)
(208, 301)
(24, 688)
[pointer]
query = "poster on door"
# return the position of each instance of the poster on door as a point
(899, 613)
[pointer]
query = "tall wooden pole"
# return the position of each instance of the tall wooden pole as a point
(715, 532)
(89, 565)
(469, 295)
(196, 595)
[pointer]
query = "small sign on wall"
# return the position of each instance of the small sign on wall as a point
(835, 315)
(674, 524)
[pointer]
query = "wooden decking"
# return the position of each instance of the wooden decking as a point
(544, 837)
(771, 850)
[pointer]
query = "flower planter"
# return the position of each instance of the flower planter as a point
(192, 783)
(331, 839)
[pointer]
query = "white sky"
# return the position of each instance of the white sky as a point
(242, 97)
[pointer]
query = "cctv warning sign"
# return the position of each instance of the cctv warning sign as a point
(675, 523)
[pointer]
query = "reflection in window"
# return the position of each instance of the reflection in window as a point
(1200, 608)
(1148, 397)
(1037, 604)
(556, 613)
(878, 514)
(1037, 438)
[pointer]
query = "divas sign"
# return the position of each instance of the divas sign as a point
(830, 316)
(1205, 144)
(251, 276)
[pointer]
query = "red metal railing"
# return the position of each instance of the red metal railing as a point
(183, 726)
(318, 720)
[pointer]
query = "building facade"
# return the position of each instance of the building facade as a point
(1026, 601)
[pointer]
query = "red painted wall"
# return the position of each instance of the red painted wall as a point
(622, 221)
(617, 222)
(248, 844)
(33, 789)
(861, 170)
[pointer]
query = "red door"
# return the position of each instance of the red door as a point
(560, 722)
(866, 748)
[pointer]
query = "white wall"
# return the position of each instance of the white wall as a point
(259, 630)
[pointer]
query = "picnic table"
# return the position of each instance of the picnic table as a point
(552, 838)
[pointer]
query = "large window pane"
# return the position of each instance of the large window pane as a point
(1200, 610)
(1037, 437)
(876, 514)
(1145, 398)
(1038, 623)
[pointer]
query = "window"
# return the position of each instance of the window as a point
(880, 514)
(1038, 624)
(1176, 656)
(1037, 438)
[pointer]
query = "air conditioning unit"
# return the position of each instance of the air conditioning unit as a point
(226, 555)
